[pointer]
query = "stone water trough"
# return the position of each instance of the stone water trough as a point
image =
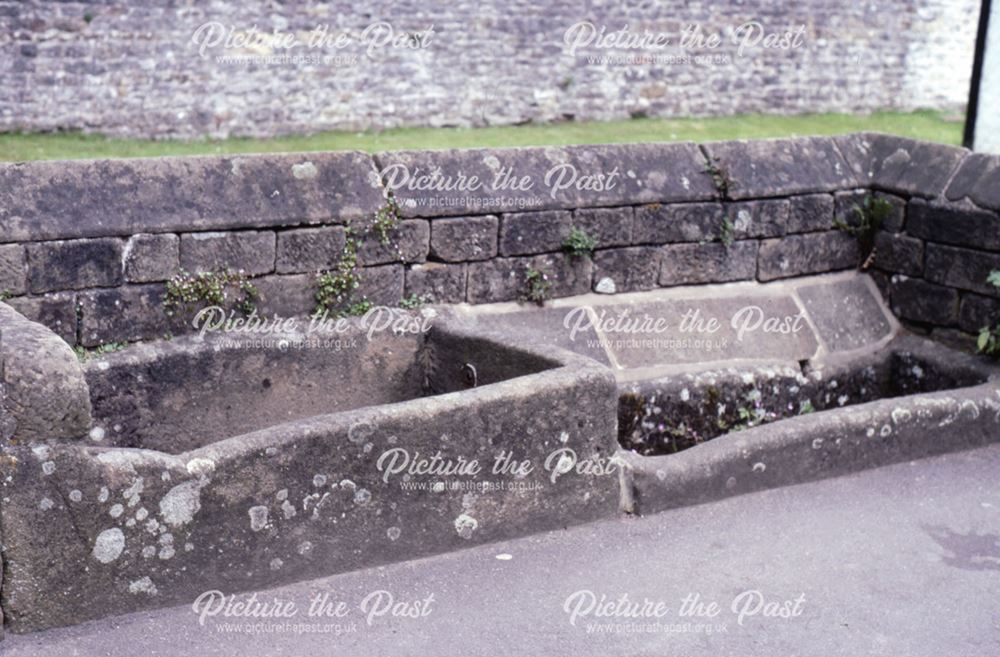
(146, 474)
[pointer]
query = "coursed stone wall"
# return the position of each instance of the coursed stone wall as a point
(162, 68)
(86, 246)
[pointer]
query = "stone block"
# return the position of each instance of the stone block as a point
(151, 257)
(952, 224)
(810, 213)
(309, 249)
(917, 300)
(503, 279)
(810, 253)
(250, 251)
(13, 270)
(437, 282)
(74, 264)
(846, 314)
(632, 269)
(962, 268)
(899, 254)
(126, 314)
(689, 264)
(978, 179)
(758, 218)
(461, 239)
(406, 243)
(526, 233)
(684, 222)
(976, 312)
(609, 226)
(56, 310)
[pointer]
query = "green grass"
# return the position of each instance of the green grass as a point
(928, 125)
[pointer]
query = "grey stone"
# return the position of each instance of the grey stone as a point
(503, 279)
(978, 179)
(609, 226)
(899, 254)
(962, 268)
(96, 198)
(977, 312)
(406, 243)
(382, 285)
(845, 314)
(126, 314)
(758, 218)
(44, 389)
(606, 285)
(910, 167)
(850, 204)
(309, 249)
(56, 310)
(74, 264)
(250, 251)
(437, 282)
(481, 181)
(632, 269)
(686, 222)
(460, 239)
(954, 225)
(527, 233)
(809, 213)
(150, 257)
(688, 264)
(810, 253)
(920, 301)
(13, 270)
(290, 295)
(781, 167)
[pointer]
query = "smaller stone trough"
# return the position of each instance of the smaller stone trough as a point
(177, 467)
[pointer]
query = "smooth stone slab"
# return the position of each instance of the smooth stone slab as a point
(487, 181)
(673, 346)
(912, 167)
(846, 314)
(548, 326)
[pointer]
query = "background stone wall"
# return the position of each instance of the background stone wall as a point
(131, 68)
(88, 245)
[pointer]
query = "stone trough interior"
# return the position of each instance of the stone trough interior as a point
(143, 469)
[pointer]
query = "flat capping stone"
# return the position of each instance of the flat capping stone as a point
(909, 166)
(490, 181)
(977, 179)
(50, 200)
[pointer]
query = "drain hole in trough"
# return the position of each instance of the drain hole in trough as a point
(679, 414)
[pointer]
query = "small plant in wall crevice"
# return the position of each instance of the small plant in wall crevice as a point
(989, 336)
(871, 214)
(579, 244)
(214, 288)
(727, 233)
(719, 175)
(335, 287)
(537, 286)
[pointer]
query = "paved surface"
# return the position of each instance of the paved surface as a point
(904, 560)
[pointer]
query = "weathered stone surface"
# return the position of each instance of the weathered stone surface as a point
(309, 249)
(962, 268)
(845, 314)
(151, 257)
(382, 285)
(290, 295)
(809, 213)
(249, 250)
(632, 269)
(920, 301)
(56, 310)
(96, 198)
(739, 335)
(279, 505)
(437, 282)
(781, 167)
(899, 254)
(954, 225)
(758, 218)
(688, 264)
(978, 179)
(810, 253)
(125, 314)
(44, 393)
(503, 279)
(13, 270)
(481, 181)
(914, 168)
(460, 239)
(406, 243)
(74, 264)
(527, 233)
(976, 312)
(609, 226)
(850, 204)
(685, 222)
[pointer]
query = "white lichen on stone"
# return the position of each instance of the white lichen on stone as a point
(282, 495)
(109, 545)
(393, 533)
(48, 467)
(305, 547)
(200, 467)
(288, 509)
(166, 552)
(45, 504)
(465, 525)
(148, 552)
(276, 564)
(362, 497)
(759, 467)
(75, 495)
(97, 434)
(116, 511)
(258, 517)
(319, 480)
(181, 503)
(304, 171)
(103, 494)
(142, 585)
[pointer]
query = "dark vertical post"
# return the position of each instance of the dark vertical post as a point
(977, 72)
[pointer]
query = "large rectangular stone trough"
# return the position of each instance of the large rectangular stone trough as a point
(702, 331)
(173, 468)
